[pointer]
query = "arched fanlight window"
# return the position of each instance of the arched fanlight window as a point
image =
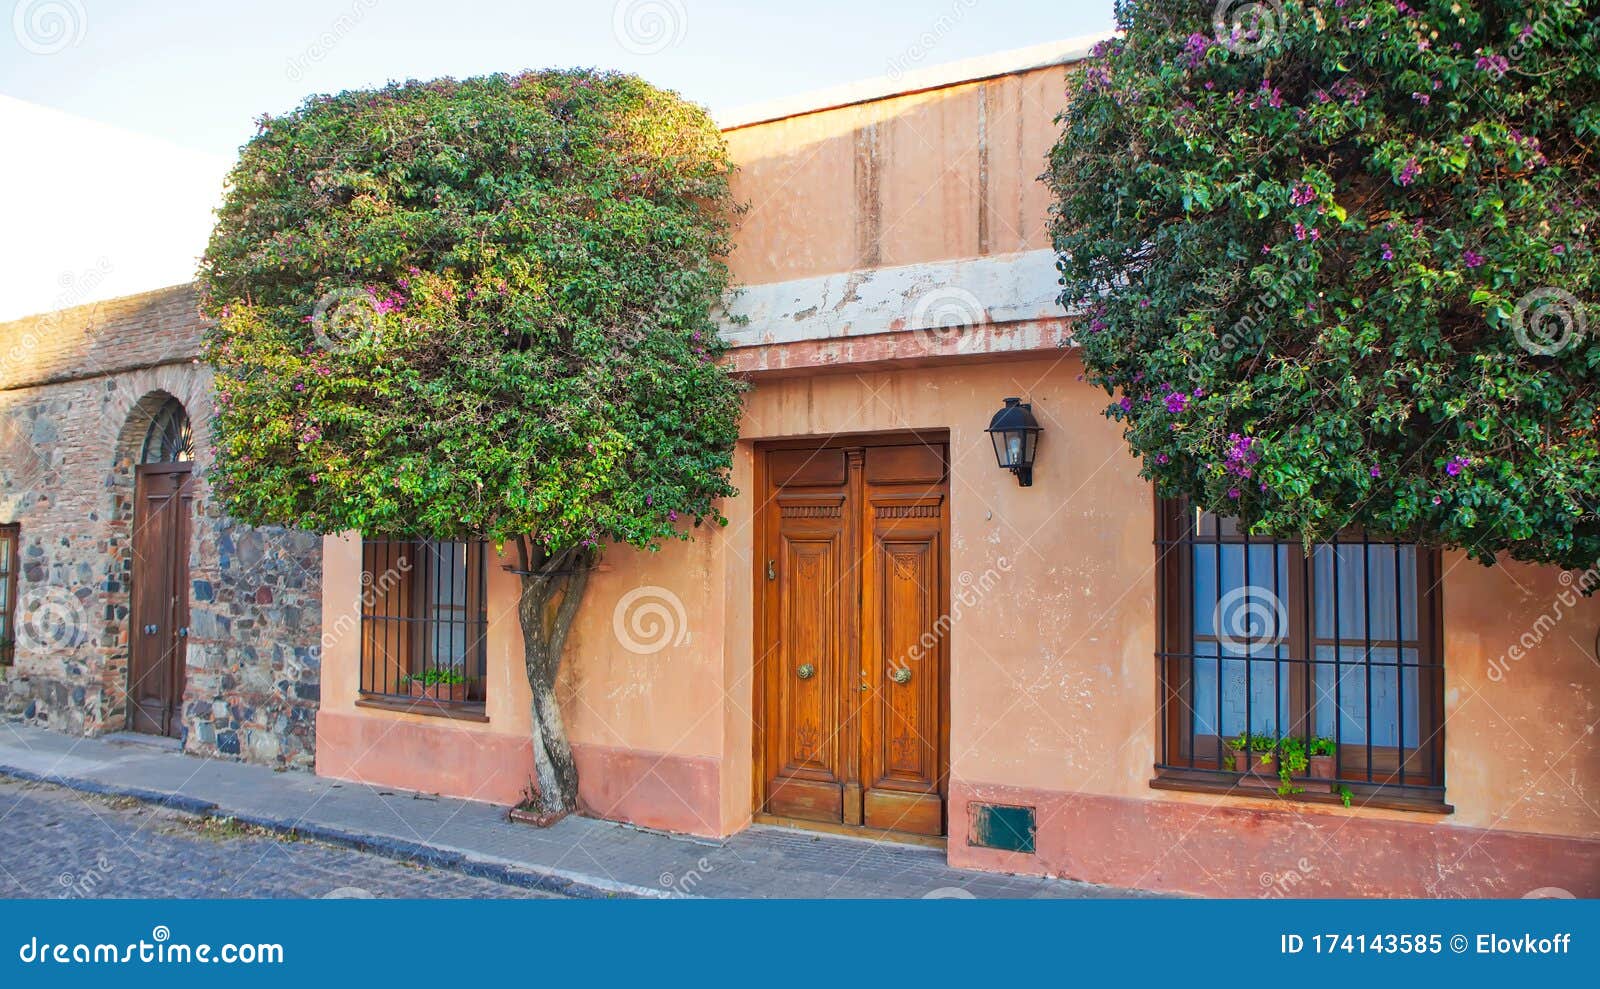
(170, 440)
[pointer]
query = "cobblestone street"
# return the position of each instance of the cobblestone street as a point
(60, 844)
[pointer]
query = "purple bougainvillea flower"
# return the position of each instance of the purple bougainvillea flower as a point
(1233, 493)
(1457, 465)
(1410, 171)
(1388, 252)
(1177, 402)
(1471, 258)
(1377, 472)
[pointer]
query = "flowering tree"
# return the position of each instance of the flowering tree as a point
(480, 309)
(1333, 261)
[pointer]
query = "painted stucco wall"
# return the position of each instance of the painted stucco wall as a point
(1054, 690)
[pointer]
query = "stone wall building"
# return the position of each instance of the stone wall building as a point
(135, 603)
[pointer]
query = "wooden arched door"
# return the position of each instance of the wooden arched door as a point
(159, 615)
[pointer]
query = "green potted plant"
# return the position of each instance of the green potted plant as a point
(439, 685)
(1253, 758)
(1322, 756)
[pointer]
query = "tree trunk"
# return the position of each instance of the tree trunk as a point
(552, 589)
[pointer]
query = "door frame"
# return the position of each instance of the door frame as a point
(178, 679)
(761, 518)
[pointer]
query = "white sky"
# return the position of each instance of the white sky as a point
(92, 212)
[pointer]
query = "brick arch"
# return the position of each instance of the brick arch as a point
(133, 402)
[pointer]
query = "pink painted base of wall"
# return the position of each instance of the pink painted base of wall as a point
(670, 793)
(651, 789)
(1232, 851)
(446, 758)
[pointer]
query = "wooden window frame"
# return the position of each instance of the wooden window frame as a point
(399, 625)
(1372, 773)
(10, 533)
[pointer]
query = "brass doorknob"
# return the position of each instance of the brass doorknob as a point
(806, 671)
(901, 676)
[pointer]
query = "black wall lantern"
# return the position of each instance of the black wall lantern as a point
(1015, 433)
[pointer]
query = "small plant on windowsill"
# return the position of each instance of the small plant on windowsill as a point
(1253, 757)
(1323, 759)
(447, 685)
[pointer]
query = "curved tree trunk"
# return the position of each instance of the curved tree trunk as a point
(552, 589)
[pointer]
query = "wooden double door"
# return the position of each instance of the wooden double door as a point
(159, 618)
(852, 644)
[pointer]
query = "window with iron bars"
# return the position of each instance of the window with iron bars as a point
(424, 624)
(1336, 649)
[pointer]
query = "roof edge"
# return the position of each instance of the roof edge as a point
(1063, 52)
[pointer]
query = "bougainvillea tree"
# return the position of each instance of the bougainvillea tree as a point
(480, 309)
(1335, 262)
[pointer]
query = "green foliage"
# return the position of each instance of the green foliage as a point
(1334, 269)
(476, 308)
(1292, 762)
(437, 677)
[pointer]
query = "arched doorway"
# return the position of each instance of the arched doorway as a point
(159, 613)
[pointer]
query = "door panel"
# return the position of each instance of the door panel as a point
(903, 657)
(805, 750)
(159, 616)
(853, 587)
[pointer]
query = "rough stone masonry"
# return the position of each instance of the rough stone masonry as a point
(79, 389)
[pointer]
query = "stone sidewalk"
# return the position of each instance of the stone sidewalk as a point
(577, 857)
